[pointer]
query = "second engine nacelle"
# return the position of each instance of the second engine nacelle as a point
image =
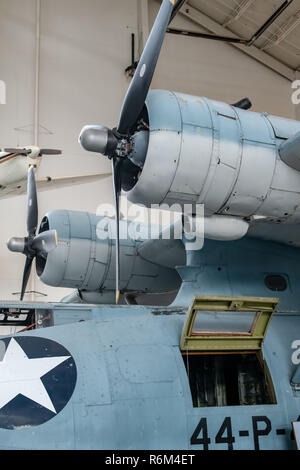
(86, 262)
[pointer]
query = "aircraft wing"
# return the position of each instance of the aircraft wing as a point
(55, 183)
(170, 253)
(166, 251)
(288, 234)
(47, 183)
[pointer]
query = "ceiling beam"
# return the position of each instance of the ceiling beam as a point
(209, 24)
(176, 9)
(283, 31)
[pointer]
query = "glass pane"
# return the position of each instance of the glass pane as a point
(227, 322)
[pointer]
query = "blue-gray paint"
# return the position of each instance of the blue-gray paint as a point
(132, 388)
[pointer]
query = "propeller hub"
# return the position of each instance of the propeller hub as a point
(35, 152)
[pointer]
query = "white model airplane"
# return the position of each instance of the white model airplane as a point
(14, 164)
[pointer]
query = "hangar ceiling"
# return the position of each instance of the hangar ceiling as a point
(278, 45)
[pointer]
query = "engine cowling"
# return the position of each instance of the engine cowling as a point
(207, 152)
(85, 262)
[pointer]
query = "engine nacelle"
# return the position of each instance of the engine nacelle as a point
(86, 262)
(207, 152)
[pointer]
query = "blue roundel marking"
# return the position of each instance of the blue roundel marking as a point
(37, 379)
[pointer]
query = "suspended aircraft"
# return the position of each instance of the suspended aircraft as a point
(220, 367)
(14, 165)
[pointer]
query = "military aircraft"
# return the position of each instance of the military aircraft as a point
(220, 367)
(14, 165)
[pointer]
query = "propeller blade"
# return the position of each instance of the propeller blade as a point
(45, 242)
(26, 275)
(117, 183)
(32, 207)
(24, 152)
(50, 152)
(139, 87)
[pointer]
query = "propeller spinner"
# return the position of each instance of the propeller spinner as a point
(33, 245)
(116, 143)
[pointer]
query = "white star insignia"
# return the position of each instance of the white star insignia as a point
(20, 375)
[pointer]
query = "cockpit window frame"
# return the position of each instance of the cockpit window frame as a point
(228, 341)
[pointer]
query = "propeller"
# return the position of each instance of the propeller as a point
(50, 152)
(119, 144)
(33, 245)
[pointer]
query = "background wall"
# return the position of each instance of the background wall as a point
(85, 48)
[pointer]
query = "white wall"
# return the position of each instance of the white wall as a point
(219, 71)
(85, 47)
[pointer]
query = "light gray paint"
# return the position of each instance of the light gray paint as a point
(238, 172)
